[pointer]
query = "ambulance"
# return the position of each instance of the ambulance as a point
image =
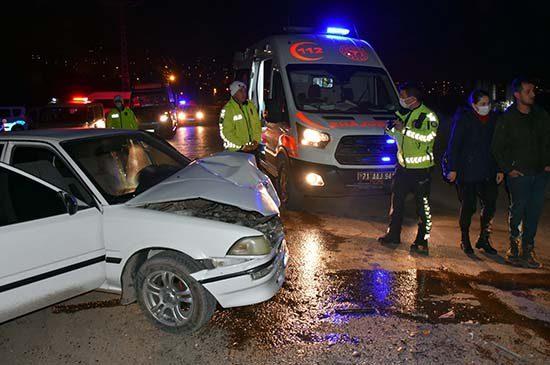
(325, 98)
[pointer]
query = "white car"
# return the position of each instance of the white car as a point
(124, 212)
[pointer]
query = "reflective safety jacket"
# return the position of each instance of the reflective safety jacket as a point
(239, 125)
(416, 140)
(124, 119)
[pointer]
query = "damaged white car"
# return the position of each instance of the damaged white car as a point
(124, 212)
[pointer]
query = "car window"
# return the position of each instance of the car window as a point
(23, 200)
(123, 166)
(45, 164)
(279, 96)
(64, 115)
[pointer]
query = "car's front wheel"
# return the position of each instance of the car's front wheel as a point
(170, 296)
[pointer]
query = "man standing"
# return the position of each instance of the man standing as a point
(521, 146)
(121, 117)
(414, 132)
(240, 125)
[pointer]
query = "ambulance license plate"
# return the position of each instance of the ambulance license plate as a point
(374, 177)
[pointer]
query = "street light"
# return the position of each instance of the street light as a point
(172, 78)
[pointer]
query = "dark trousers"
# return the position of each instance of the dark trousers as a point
(526, 202)
(487, 192)
(416, 182)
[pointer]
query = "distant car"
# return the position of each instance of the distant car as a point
(124, 212)
(190, 113)
(68, 115)
(12, 118)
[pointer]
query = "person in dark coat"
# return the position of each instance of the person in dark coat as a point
(472, 167)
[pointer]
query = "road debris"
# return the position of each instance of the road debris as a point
(510, 352)
(449, 315)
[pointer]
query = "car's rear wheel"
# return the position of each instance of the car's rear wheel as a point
(170, 297)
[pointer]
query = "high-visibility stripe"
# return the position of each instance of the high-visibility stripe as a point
(237, 117)
(420, 137)
(418, 159)
(227, 144)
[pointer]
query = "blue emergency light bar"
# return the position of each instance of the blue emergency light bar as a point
(386, 159)
(338, 31)
(183, 102)
(390, 141)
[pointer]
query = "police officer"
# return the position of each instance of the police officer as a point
(121, 117)
(240, 125)
(414, 131)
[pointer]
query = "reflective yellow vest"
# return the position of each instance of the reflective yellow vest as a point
(416, 140)
(124, 119)
(239, 125)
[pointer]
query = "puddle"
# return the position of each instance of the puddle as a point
(309, 298)
(72, 308)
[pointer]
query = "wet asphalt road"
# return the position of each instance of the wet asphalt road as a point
(346, 300)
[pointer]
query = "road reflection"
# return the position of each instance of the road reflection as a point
(197, 141)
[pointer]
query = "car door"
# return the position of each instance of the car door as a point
(48, 254)
(277, 122)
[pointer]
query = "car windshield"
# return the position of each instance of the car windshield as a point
(342, 89)
(123, 166)
(149, 98)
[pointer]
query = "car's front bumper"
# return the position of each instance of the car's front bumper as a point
(238, 287)
(337, 181)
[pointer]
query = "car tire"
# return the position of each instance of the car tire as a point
(291, 198)
(176, 269)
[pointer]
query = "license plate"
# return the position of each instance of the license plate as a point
(374, 177)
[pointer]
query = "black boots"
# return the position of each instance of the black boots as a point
(390, 239)
(528, 258)
(420, 244)
(484, 243)
(465, 243)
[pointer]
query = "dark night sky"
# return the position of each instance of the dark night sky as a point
(416, 39)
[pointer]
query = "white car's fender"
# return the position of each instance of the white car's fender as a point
(128, 230)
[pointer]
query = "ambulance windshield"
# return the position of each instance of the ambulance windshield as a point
(342, 89)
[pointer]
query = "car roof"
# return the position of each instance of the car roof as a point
(60, 135)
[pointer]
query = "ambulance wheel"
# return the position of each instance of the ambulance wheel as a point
(290, 196)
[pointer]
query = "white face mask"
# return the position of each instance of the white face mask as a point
(404, 104)
(483, 109)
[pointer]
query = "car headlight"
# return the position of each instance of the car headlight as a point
(100, 123)
(250, 246)
(199, 115)
(311, 137)
(181, 116)
(164, 118)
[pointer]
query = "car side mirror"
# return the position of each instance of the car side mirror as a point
(70, 202)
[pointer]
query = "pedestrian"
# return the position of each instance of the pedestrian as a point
(472, 167)
(121, 116)
(521, 146)
(414, 131)
(240, 125)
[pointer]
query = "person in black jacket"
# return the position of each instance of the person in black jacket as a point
(472, 166)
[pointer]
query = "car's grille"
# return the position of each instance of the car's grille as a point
(366, 150)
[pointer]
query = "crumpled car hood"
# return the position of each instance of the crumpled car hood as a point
(229, 178)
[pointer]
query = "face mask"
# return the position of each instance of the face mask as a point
(483, 110)
(406, 103)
